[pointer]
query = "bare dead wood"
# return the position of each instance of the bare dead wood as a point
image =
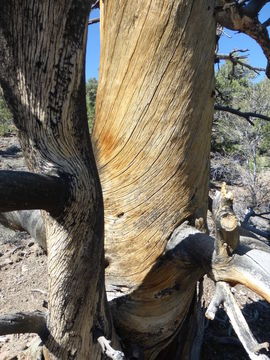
(21, 323)
(226, 223)
(253, 7)
(266, 23)
(255, 230)
(246, 115)
(95, 5)
(108, 350)
(26, 220)
(245, 20)
(235, 59)
(224, 296)
(93, 21)
(245, 224)
(24, 190)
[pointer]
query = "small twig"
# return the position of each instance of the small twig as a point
(93, 21)
(39, 291)
(224, 296)
(246, 115)
(108, 350)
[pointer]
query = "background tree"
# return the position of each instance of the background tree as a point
(151, 141)
(91, 93)
(5, 117)
(243, 142)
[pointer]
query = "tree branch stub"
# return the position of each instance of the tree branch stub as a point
(226, 224)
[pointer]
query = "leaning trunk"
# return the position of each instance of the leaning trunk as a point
(152, 141)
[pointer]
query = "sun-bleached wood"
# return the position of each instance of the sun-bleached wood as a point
(151, 140)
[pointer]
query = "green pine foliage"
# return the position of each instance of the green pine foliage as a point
(6, 126)
(91, 93)
(233, 135)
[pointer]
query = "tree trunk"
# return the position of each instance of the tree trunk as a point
(151, 139)
(42, 74)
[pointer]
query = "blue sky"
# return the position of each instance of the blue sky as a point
(226, 44)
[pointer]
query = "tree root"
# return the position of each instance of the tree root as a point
(224, 296)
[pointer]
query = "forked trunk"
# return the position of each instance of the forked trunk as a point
(152, 141)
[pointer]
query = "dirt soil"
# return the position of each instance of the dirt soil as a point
(23, 287)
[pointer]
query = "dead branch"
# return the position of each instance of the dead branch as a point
(237, 60)
(21, 323)
(252, 228)
(24, 190)
(108, 350)
(226, 223)
(93, 21)
(95, 5)
(245, 115)
(251, 213)
(244, 19)
(26, 220)
(224, 296)
(266, 23)
(253, 7)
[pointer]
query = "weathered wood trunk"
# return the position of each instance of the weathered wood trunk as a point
(42, 45)
(152, 141)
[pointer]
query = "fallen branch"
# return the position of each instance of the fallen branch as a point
(21, 323)
(224, 296)
(246, 115)
(108, 350)
(253, 228)
(26, 220)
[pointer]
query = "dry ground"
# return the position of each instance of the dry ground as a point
(23, 287)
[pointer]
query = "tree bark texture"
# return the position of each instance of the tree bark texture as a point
(42, 54)
(152, 140)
